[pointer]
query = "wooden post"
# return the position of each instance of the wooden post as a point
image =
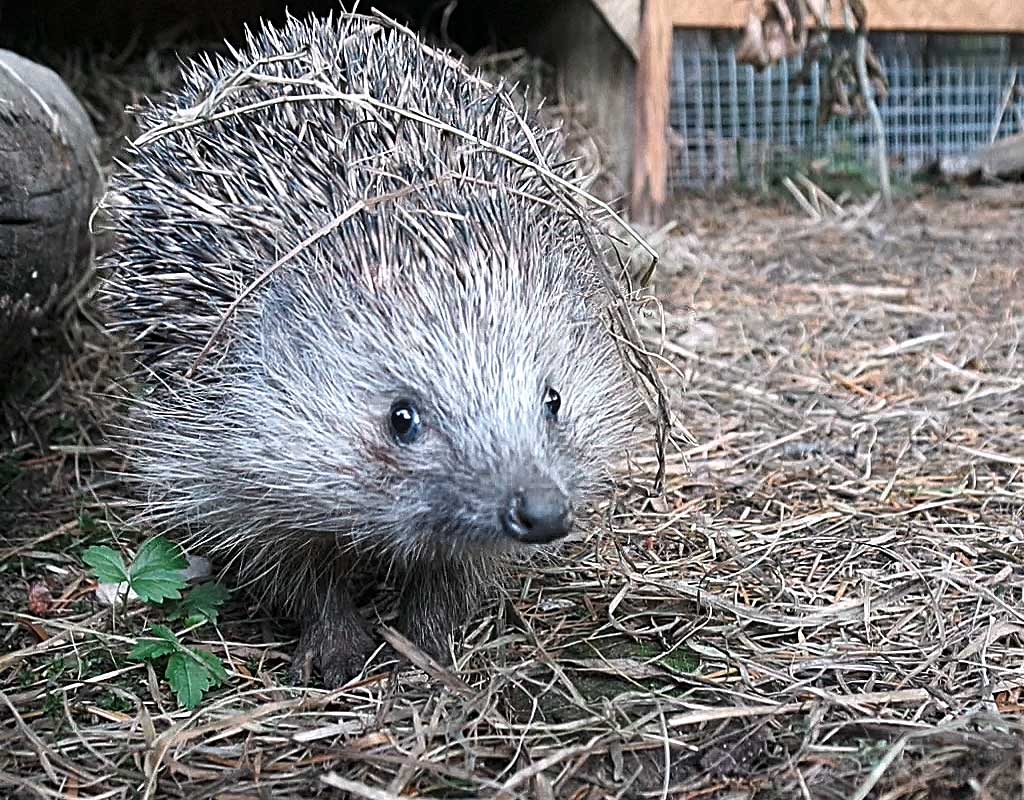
(649, 193)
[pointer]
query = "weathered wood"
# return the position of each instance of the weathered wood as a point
(49, 179)
(623, 17)
(599, 71)
(653, 83)
(1001, 159)
(968, 16)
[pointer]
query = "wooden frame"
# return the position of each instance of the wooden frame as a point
(658, 18)
(923, 16)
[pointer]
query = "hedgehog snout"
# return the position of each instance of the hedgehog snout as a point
(536, 513)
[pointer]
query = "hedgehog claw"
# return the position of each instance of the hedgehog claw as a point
(334, 643)
(337, 659)
(436, 604)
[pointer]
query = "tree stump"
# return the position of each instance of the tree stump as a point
(49, 184)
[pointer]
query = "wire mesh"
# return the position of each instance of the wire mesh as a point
(733, 124)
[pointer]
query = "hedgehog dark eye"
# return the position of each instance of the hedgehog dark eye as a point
(552, 402)
(405, 421)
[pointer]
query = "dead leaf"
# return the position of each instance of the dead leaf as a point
(752, 50)
(40, 600)
(1009, 702)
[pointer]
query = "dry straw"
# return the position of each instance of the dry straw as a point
(828, 602)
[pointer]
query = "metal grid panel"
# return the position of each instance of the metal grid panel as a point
(731, 123)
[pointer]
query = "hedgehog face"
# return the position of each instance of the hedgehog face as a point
(529, 505)
(492, 423)
(438, 415)
(429, 389)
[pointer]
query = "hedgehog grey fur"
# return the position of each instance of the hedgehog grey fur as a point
(465, 283)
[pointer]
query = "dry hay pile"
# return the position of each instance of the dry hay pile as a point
(828, 601)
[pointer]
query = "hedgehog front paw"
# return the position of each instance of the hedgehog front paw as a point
(337, 654)
(435, 643)
(437, 648)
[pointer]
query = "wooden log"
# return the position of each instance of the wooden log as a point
(1003, 158)
(49, 183)
(653, 83)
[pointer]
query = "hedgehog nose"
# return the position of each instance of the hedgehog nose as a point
(537, 515)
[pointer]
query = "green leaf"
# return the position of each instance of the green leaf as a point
(191, 672)
(106, 563)
(188, 677)
(166, 634)
(201, 604)
(213, 664)
(149, 650)
(152, 649)
(156, 572)
(158, 552)
(87, 523)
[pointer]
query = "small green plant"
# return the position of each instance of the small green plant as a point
(189, 672)
(53, 705)
(87, 523)
(112, 701)
(201, 604)
(56, 668)
(156, 576)
(65, 431)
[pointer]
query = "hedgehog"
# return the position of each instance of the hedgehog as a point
(373, 332)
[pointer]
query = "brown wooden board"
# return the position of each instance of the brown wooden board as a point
(650, 154)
